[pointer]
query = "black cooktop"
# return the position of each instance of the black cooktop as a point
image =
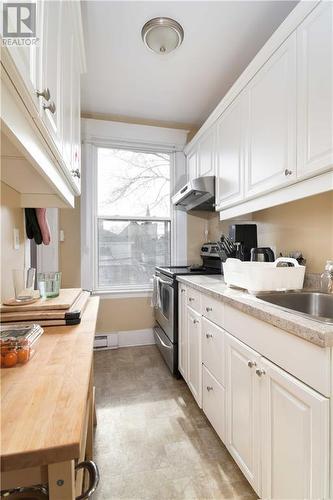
(183, 270)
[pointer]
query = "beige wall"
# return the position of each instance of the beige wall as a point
(125, 314)
(11, 216)
(70, 249)
(305, 225)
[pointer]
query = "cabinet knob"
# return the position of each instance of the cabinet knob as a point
(209, 336)
(76, 173)
(251, 364)
(209, 388)
(182, 290)
(44, 93)
(191, 299)
(195, 321)
(288, 172)
(51, 107)
(208, 309)
(260, 372)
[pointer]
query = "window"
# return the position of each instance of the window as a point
(133, 217)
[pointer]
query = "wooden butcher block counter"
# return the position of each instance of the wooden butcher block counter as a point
(47, 411)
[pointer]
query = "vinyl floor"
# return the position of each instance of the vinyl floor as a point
(152, 441)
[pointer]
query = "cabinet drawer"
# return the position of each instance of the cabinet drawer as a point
(194, 299)
(213, 309)
(213, 402)
(213, 355)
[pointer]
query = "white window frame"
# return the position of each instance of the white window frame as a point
(89, 202)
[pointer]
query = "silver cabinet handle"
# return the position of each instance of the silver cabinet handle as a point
(183, 290)
(51, 107)
(190, 299)
(251, 364)
(209, 336)
(195, 321)
(288, 172)
(260, 372)
(76, 173)
(208, 309)
(44, 93)
(209, 388)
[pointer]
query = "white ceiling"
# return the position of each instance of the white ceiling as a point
(125, 78)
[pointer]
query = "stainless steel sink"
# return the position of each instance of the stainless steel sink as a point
(315, 305)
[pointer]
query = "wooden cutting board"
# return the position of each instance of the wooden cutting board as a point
(66, 298)
(53, 317)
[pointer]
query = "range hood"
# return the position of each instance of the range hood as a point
(198, 194)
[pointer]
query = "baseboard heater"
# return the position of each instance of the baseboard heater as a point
(123, 339)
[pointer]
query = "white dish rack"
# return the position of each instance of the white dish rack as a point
(264, 276)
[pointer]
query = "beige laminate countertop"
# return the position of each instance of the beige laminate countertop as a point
(313, 331)
(43, 402)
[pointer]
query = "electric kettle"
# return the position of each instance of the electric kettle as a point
(262, 254)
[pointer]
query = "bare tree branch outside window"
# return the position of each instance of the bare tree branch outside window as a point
(132, 185)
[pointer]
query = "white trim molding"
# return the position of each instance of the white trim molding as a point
(126, 338)
(102, 133)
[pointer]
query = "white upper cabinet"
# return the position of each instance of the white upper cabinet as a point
(192, 171)
(295, 437)
(315, 91)
(51, 68)
(230, 154)
(206, 156)
(271, 131)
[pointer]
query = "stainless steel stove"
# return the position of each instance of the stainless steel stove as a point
(166, 307)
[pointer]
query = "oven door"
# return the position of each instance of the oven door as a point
(164, 313)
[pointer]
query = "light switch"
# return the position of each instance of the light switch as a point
(16, 238)
(61, 235)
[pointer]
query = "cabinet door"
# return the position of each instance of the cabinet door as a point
(271, 131)
(230, 154)
(243, 408)
(295, 437)
(315, 91)
(182, 332)
(51, 68)
(67, 74)
(76, 124)
(194, 354)
(26, 57)
(213, 402)
(192, 165)
(206, 159)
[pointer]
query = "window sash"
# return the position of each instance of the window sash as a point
(125, 287)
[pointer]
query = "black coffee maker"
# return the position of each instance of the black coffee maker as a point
(244, 236)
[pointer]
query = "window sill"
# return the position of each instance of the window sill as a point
(123, 294)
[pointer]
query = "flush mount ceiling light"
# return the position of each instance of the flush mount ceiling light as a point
(162, 35)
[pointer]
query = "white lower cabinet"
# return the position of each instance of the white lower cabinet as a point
(277, 427)
(194, 372)
(213, 402)
(182, 332)
(242, 409)
(295, 437)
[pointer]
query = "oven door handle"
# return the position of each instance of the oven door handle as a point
(164, 282)
(163, 343)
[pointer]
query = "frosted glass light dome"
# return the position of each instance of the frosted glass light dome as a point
(162, 35)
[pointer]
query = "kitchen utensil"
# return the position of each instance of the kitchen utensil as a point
(24, 280)
(49, 284)
(262, 254)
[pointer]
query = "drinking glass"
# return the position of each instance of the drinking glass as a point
(49, 284)
(24, 281)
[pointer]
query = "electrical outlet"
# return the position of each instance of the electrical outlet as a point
(16, 238)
